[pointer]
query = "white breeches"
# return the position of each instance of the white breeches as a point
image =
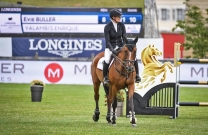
(107, 55)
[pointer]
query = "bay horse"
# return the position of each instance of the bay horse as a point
(121, 75)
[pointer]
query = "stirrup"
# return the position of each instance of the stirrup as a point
(106, 81)
(138, 79)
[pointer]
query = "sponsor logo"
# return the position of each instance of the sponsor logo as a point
(10, 18)
(131, 10)
(11, 9)
(8, 69)
(201, 71)
(120, 9)
(53, 72)
(10, 23)
(103, 10)
(12, 68)
(5, 79)
(66, 47)
(133, 28)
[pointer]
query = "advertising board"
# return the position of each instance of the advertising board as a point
(57, 47)
(58, 72)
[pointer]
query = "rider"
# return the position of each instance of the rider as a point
(114, 35)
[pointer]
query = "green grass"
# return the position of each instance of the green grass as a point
(68, 109)
(81, 3)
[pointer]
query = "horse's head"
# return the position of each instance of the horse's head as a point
(127, 53)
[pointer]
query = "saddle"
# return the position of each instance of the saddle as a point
(100, 62)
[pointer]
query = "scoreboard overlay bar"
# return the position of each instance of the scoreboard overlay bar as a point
(27, 20)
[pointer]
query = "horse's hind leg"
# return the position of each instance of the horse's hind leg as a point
(110, 99)
(96, 97)
(133, 119)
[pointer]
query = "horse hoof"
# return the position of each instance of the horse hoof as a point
(134, 125)
(95, 118)
(114, 124)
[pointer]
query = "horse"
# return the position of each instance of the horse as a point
(121, 75)
(152, 67)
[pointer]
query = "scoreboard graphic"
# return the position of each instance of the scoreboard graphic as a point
(65, 20)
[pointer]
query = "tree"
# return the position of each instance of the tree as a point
(195, 30)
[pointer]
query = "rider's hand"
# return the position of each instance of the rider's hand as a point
(114, 52)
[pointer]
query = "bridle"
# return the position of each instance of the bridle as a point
(124, 63)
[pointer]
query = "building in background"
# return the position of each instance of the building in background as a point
(160, 17)
(168, 12)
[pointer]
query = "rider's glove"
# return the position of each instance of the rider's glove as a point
(114, 52)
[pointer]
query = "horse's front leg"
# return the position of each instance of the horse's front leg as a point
(133, 119)
(110, 99)
(114, 105)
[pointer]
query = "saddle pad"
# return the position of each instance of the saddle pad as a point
(100, 63)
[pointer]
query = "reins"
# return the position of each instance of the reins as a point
(122, 63)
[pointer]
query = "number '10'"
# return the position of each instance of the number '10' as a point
(131, 19)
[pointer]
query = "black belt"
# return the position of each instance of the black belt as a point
(115, 41)
(119, 44)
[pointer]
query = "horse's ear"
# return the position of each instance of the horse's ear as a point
(125, 40)
(136, 39)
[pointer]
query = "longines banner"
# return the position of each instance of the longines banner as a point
(75, 72)
(71, 47)
(57, 47)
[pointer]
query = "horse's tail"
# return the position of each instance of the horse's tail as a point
(94, 65)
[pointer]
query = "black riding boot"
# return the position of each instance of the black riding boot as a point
(138, 79)
(105, 74)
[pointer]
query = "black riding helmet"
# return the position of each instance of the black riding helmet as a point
(115, 12)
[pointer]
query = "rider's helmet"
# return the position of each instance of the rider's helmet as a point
(115, 12)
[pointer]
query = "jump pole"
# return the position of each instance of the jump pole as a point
(193, 60)
(177, 62)
(194, 82)
(193, 103)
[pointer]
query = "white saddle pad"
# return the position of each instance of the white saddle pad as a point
(100, 63)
